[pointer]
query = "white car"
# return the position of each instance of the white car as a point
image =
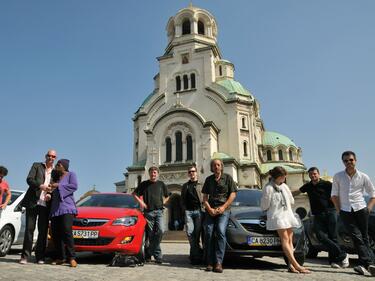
(12, 223)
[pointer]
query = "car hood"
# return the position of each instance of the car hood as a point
(105, 212)
(247, 212)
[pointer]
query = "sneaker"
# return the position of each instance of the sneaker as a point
(335, 265)
(23, 261)
(360, 270)
(209, 268)
(371, 269)
(345, 262)
(40, 262)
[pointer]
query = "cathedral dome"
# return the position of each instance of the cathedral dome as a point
(275, 139)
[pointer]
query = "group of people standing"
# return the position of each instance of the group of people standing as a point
(207, 206)
(49, 198)
(207, 213)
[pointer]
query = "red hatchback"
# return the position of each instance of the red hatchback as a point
(108, 223)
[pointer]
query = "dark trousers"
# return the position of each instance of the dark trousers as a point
(62, 236)
(215, 237)
(326, 232)
(356, 224)
(41, 214)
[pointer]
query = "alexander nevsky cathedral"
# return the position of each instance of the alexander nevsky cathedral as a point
(197, 111)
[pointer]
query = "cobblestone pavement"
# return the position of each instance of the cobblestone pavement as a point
(175, 267)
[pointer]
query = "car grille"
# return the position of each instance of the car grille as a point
(85, 222)
(101, 241)
(256, 226)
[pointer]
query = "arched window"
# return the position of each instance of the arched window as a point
(186, 82)
(269, 155)
(192, 80)
(178, 146)
(281, 157)
(139, 180)
(243, 119)
(220, 70)
(244, 148)
(189, 148)
(186, 27)
(168, 150)
(200, 27)
(290, 155)
(178, 83)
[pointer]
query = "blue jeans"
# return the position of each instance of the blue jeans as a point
(193, 230)
(215, 237)
(154, 231)
(325, 229)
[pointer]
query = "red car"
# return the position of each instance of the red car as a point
(109, 223)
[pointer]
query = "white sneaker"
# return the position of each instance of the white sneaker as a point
(371, 268)
(335, 265)
(360, 270)
(345, 262)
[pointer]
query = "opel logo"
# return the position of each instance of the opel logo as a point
(262, 223)
(85, 222)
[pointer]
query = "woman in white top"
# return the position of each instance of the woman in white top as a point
(277, 200)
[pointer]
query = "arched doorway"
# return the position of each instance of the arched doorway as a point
(176, 218)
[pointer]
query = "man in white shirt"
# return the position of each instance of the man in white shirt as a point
(348, 189)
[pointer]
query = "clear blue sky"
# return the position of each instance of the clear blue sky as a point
(72, 74)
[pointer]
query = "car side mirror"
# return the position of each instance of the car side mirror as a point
(19, 208)
(302, 213)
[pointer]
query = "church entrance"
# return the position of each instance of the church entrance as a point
(176, 213)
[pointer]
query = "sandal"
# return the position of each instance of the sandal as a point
(291, 269)
(304, 270)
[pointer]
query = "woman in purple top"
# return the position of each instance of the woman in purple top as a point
(63, 210)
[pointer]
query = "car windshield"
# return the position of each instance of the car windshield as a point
(109, 200)
(248, 197)
(15, 195)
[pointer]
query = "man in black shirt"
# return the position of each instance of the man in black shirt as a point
(191, 195)
(325, 217)
(219, 191)
(152, 194)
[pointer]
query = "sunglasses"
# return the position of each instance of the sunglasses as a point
(348, 160)
(191, 171)
(51, 156)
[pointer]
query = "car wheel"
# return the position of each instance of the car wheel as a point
(141, 254)
(6, 240)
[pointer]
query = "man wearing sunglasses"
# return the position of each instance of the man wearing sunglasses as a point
(37, 208)
(191, 195)
(347, 194)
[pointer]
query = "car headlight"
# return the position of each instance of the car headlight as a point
(126, 221)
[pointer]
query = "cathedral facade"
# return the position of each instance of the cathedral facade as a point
(197, 111)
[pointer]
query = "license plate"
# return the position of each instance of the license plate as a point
(263, 241)
(86, 234)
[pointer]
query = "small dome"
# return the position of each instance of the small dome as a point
(232, 87)
(275, 139)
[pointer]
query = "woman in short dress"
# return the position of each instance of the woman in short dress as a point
(277, 200)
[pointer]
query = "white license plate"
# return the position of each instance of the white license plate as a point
(263, 241)
(86, 234)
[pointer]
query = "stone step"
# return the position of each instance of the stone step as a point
(175, 236)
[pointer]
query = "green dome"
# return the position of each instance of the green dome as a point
(233, 87)
(274, 139)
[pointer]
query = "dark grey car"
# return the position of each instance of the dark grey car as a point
(247, 233)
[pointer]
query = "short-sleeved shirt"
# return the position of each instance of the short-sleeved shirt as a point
(153, 194)
(351, 190)
(219, 191)
(319, 196)
(4, 187)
